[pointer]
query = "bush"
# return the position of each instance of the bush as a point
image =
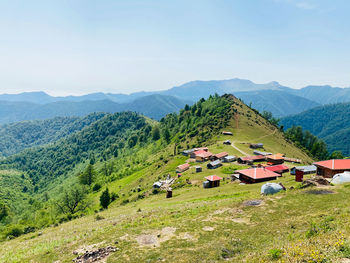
(275, 253)
(96, 187)
(14, 231)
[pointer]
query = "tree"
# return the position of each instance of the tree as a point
(88, 176)
(166, 135)
(73, 201)
(155, 133)
(105, 199)
(4, 211)
(336, 155)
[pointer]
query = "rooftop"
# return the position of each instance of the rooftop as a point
(275, 168)
(258, 173)
(213, 178)
(335, 164)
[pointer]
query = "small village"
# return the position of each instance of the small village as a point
(259, 167)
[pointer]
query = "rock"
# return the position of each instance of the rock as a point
(315, 181)
(95, 255)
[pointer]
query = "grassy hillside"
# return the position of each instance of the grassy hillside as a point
(196, 225)
(330, 123)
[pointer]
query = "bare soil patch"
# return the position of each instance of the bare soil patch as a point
(319, 192)
(99, 255)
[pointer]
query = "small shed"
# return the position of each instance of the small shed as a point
(198, 169)
(256, 152)
(219, 156)
(214, 181)
(227, 142)
(227, 133)
(275, 158)
(169, 193)
(309, 169)
(183, 167)
(214, 164)
(229, 159)
(256, 145)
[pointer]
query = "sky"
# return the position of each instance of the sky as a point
(123, 46)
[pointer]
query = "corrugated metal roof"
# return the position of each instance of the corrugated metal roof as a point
(213, 178)
(335, 164)
(276, 168)
(258, 173)
(214, 163)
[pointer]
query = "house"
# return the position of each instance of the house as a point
(292, 160)
(157, 185)
(202, 156)
(219, 156)
(275, 158)
(251, 159)
(256, 175)
(229, 159)
(280, 169)
(198, 169)
(310, 169)
(214, 164)
(227, 133)
(187, 152)
(256, 145)
(256, 152)
(183, 167)
(212, 181)
(198, 150)
(227, 142)
(329, 168)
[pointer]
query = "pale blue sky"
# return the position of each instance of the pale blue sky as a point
(82, 46)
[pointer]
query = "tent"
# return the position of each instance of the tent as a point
(341, 178)
(271, 188)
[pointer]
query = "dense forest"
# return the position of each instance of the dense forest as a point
(329, 123)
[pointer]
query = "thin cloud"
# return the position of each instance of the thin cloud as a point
(301, 4)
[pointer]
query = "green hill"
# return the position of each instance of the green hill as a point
(230, 223)
(330, 123)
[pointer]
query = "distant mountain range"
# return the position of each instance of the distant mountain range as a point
(280, 100)
(330, 123)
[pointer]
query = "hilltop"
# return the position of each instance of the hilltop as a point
(141, 222)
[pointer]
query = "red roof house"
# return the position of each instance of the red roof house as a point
(202, 156)
(280, 169)
(183, 167)
(275, 158)
(329, 168)
(256, 175)
(214, 180)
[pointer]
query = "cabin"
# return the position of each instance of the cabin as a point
(214, 164)
(256, 145)
(292, 160)
(309, 169)
(212, 181)
(198, 169)
(251, 159)
(256, 152)
(219, 156)
(183, 167)
(256, 175)
(329, 168)
(187, 152)
(275, 158)
(197, 150)
(229, 159)
(227, 133)
(227, 142)
(280, 169)
(202, 156)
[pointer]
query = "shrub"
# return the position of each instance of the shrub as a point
(96, 187)
(14, 231)
(275, 253)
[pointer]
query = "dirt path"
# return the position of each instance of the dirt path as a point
(242, 152)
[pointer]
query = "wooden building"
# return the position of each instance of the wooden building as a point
(183, 167)
(229, 159)
(256, 145)
(280, 169)
(219, 156)
(214, 164)
(202, 156)
(329, 168)
(309, 169)
(214, 181)
(256, 175)
(251, 159)
(275, 158)
(227, 133)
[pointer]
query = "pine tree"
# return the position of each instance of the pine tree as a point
(88, 176)
(105, 199)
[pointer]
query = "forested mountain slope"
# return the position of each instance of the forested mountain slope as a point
(20, 135)
(330, 123)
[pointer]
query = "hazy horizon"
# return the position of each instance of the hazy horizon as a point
(80, 47)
